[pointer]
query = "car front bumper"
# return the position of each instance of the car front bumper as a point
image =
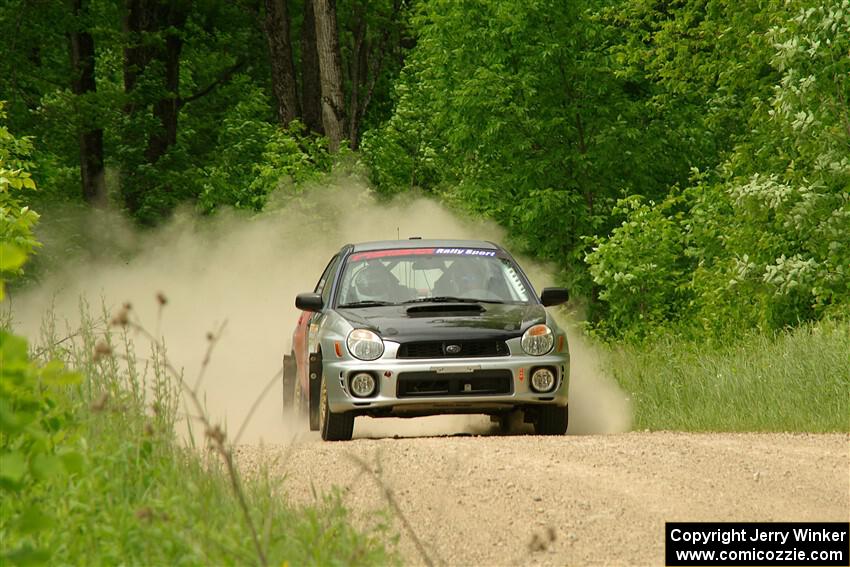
(464, 396)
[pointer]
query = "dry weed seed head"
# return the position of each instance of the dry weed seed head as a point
(101, 349)
(161, 299)
(100, 403)
(122, 318)
(144, 513)
(210, 336)
(216, 434)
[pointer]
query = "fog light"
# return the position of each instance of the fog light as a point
(542, 380)
(363, 385)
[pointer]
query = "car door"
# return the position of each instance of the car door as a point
(301, 337)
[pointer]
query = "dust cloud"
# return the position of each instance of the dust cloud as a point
(244, 272)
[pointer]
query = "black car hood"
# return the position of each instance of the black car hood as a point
(444, 321)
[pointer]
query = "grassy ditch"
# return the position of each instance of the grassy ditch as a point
(93, 472)
(797, 380)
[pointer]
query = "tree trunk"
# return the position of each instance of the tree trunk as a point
(367, 56)
(170, 19)
(83, 83)
(137, 20)
(153, 29)
(280, 55)
(357, 74)
(327, 42)
(146, 18)
(311, 86)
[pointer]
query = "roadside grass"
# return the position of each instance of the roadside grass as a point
(99, 475)
(798, 380)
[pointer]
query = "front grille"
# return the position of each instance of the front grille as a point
(444, 349)
(477, 383)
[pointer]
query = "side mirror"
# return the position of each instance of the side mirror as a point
(309, 302)
(554, 296)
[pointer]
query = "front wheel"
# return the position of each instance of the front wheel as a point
(511, 423)
(289, 378)
(552, 420)
(299, 401)
(334, 426)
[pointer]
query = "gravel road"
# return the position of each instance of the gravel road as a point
(577, 500)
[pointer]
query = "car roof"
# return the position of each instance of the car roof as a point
(422, 243)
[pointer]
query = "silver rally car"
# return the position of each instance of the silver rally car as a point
(408, 328)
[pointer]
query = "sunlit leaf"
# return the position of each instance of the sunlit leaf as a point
(33, 519)
(11, 257)
(13, 466)
(73, 461)
(45, 467)
(25, 555)
(54, 372)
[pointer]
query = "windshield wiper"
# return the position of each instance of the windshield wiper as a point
(366, 303)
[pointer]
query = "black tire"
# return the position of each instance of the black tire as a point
(289, 377)
(313, 411)
(511, 422)
(334, 426)
(552, 420)
(299, 402)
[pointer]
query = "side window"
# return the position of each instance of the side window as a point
(328, 270)
(326, 282)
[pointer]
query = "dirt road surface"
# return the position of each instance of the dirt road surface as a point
(571, 500)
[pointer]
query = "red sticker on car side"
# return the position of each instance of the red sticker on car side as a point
(389, 253)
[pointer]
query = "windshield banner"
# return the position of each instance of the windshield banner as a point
(423, 252)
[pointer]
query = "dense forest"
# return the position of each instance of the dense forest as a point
(685, 164)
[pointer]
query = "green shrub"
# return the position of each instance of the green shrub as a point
(641, 268)
(17, 241)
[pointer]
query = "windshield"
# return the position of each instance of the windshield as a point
(387, 277)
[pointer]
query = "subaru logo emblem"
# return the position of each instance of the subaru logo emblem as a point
(452, 349)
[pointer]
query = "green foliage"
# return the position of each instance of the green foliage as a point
(17, 240)
(39, 448)
(700, 67)
(641, 268)
(517, 110)
(792, 381)
(227, 149)
(686, 165)
(402, 153)
(762, 241)
(252, 158)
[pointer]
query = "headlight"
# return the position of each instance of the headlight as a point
(542, 380)
(538, 340)
(363, 384)
(365, 344)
